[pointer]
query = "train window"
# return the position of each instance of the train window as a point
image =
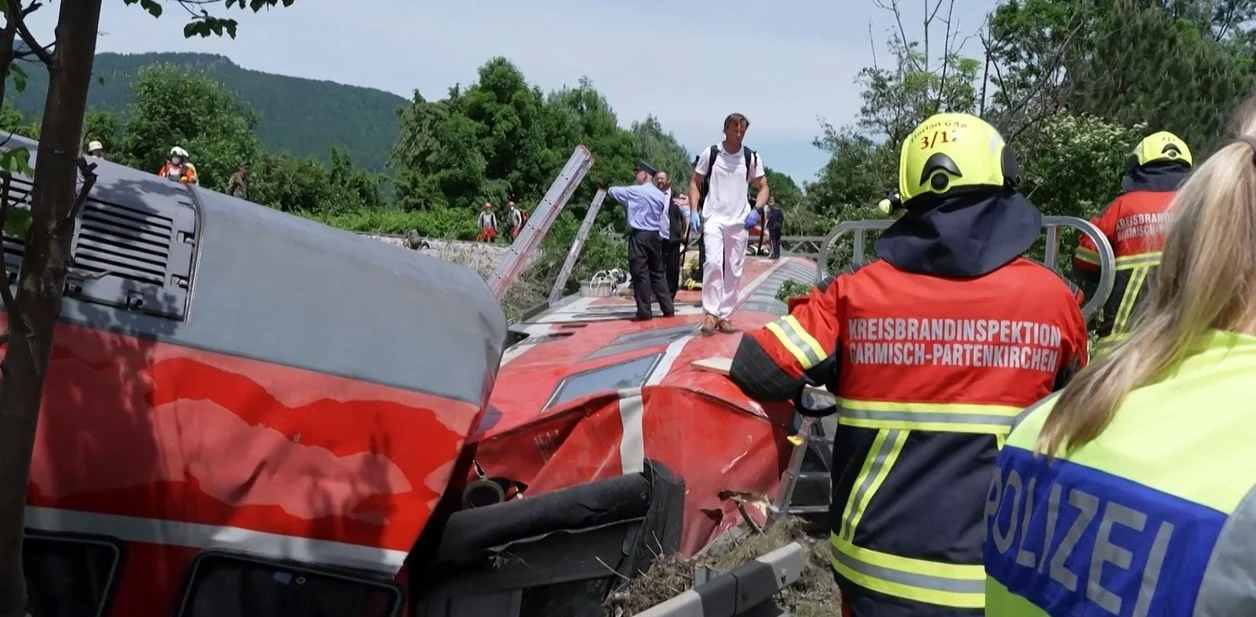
(628, 374)
(234, 586)
(640, 340)
(69, 576)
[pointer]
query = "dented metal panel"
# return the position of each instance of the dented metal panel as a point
(697, 423)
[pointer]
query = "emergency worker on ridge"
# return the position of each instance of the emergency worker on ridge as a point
(932, 350)
(179, 168)
(1132, 493)
(1135, 224)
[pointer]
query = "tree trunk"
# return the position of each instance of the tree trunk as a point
(42, 280)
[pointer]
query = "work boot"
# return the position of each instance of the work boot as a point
(708, 325)
(725, 326)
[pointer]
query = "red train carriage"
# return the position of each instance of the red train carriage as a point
(244, 408)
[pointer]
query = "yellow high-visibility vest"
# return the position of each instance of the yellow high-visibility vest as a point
(1157, 516)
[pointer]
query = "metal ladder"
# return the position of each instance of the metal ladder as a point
(556, 292)
(543, 217)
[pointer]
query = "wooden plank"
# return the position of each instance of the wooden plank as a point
(722, 365)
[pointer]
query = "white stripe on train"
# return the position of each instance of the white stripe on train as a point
(631, 409)
(198, 536)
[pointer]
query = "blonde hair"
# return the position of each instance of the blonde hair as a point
(1206, 280)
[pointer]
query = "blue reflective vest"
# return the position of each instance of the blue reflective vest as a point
(1155, 517)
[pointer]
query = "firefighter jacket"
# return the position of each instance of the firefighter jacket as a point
(185, 173)
(930, 371)
(1156, 516)
(1135, 225)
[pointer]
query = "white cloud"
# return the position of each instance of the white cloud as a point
(688, 63)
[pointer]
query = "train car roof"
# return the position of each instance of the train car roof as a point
(582, 346)
(274, 287)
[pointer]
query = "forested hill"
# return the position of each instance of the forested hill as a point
(299, 116)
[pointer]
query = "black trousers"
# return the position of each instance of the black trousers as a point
(776, 242)
(649, 279)
(671, 264)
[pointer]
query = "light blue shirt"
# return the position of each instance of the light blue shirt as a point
(645, 205)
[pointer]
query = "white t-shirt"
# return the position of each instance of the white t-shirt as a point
(728, 199)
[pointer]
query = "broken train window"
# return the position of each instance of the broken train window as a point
(627, 374)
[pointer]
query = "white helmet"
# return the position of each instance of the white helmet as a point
(177, 151)
(93, 146)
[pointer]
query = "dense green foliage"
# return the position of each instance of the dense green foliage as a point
(1072, 84)
(498, 139)
(1046, 79)
(303, 117)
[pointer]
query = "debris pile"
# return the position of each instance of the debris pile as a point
(814, 595)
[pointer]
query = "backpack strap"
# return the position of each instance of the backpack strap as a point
(706, 177)
(750, 163)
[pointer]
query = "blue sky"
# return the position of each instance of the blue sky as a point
(688, 63)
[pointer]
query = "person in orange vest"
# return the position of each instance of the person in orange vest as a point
(932, 351)
(1135, 224)
(488, 224)
(179, 168)
(516, 217)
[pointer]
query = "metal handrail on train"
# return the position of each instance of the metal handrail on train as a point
(1052, 225)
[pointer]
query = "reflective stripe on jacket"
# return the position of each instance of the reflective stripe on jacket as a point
(185, 173)
(1135, 225)
(1155, 516)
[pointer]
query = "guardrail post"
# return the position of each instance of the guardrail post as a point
(742, 592)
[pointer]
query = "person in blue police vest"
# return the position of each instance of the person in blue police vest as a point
(1133, 491)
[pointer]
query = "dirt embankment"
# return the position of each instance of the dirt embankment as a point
(482, 257)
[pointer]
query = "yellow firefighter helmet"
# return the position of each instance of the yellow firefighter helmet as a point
(954, 152)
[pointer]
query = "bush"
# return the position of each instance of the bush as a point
(793, 289)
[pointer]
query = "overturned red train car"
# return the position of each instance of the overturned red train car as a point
(603, 446)
(587, 394)
(246, 412)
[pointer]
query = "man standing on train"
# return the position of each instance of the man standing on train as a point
(932, 350)
(720, 185)
(1135, 224)
(646, 228)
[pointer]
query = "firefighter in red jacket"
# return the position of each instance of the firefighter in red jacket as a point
(932, 351)
(1135, 224)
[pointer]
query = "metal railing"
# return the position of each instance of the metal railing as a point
(1051, 224)
(801, 246)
